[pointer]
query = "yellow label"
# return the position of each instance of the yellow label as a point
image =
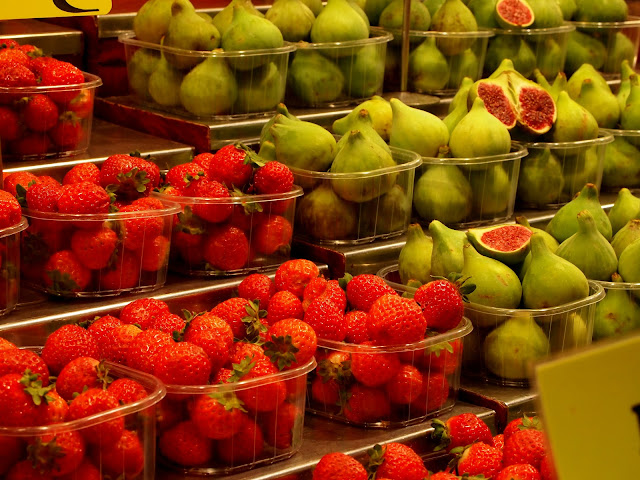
(12, 9)
(590, 402)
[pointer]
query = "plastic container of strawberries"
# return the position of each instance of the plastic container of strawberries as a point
(139, 262)
(70, 136)
(264, 437)
(138, 418)
(10, 266)
(334, 393)
(254, 235)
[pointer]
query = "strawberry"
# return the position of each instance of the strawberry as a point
(405, 386)
(184, 445)
(116, 345)
(525, 446)
(498, 441)
(232, 311)
(14, 55)
(43, 197)
(263, 398)
(82, 172)
(314, 289)
(56, 410)
(68, 343)
(326, 317)
(100, 329)
(123, 458)
(445, 357)
(229, 166)
(127, 390)
(273, 236)
(8, 43)
(182, 364)
(284, 304)
(56, 72)
(280, 425)
(169, 323)
(24, 470)
(333, 373)
(68, 133)
(364, 289)
(226, 248)
(40, 113)
(217, 415)
(143, 311)
(82, 104)
(257, 287)
(58, 454)
(372, 368)
(294, 275)
(521, 423)
(31, 145)
(356, 326)
(140, 229)
(14, 75)
(245, 447)
(394, 320)
(10, 211)
(79, 373)
(11, 448)
(290, 343)
(435, 393)
(16, 360)
(6, 345)
(84, 197)
(184, 175)
(87, 471)
(93, 248)
(91, 402)
(155, 256)
(214, 209)
(443, 476)
(22, 399)
(123, 274)
(64, 273)
(144, 348)
(149, 203)
(366, 405)
(337, 465)
(442, 302)
(204, 160)
(129, 176)
(9, 125)
(14, 179)
(459, 431)
(547, 468)
(214, 336)
(478, 459)
(240, 351)
(396, 461)
(273, 177)
(518, 472)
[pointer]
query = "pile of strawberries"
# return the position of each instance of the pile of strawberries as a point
(238, 215)
(84, 387)
(10, 216)
(41, 121)
(72, 247)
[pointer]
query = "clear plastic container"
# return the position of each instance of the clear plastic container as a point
(325, 216)
(382, 403)
(440, 71)
(337, 73)
(505, 357)
(263, 437)
(52, 258)
(622, 314)
(552, 173)
(467, 192)
(225, 84)
(530, 48)
(71, 135)
(622, 161)
(616, 40)
(139, 420)
(254, 233)
(10, 266)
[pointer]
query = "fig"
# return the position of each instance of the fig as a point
(387, 214)
(550, 280)
(139, 69)
(260, 91)
(507, 243)
(552, 244)
(313, 78)
(514, 48)
(559, 83)
(448, 249)
(433, 6)
(565, 222)
(267, 151)
(626, 207)
(497, 97)
(164, 84)
(393, 14)
(578, 170)
(454, 117)
(210, 88)
(550, 57)
(302, 144)
(373, 9)
(152, 20)
(492, 191)
(630, 115)
(323, 215)
(461, 95)
(224, 17)
(339, 22)
(505, 64)
(536, 109)
(540, 181)
(314, 5)
(586, 71)
(465, 65)
(625, 84)
(600, 102)
(416, 130)
(583, 48)
(363, 72)
(621, 164)
(364, 124)
(293, 18)
(514, 14)
(568, 8)
(442, 192)
(379, 111)
(601, 11)
(484, 11)
(428, 67)
(617, 313)
(265, 133)
(573, 121)
(414, 262)
(546, 13)
(453, 16)
(620, 48)
(626, 236)
(569, 332)
(628, 265)
(588, 250)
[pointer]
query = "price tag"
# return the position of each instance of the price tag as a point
(11, 9)
(590, 402)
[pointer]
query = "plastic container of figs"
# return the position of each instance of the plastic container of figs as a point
(605, 45)
(10, 266)
(622, 161)
(505, 343)
(206, 84)
(467, 192)
(552, 173)
(340, 394)
(137, 420)
(233, 235)
(268, 431)
(336, 74)
(34, 138)
(359, 207)
(96, 255)
(530, 48)
(438, 61)
(619, 313)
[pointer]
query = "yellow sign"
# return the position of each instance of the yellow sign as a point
(590, 402)
(11, 9)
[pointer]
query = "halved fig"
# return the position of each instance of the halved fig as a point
(536, 108)
(497, 97)
(506, 243)
(512, 14)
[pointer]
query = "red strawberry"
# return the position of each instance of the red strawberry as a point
(8, 43)
(374, 369)
(9, 125)
(149, 203)
(14, 55)
(94, 248)
(547, 468)
(290, 343)
(79, 373)
(116, 345)
(56, 410)
(204, 159)
(43, 197)
(14, 75)
(273, 236)
(182, 364)
(364, 289)
(16, 360)
(143, 311)
(405, 386)
(144, 347)
(91, 402)
(294, 275)
(6, 344)
(215, 211)
(257, 287)
(183, 445)
(498, 441)
(521, 423)
(367, 405)
(284, 304)
(228, 166)
(24, 471)
(11, 448)
(184, 175)
(445, 357)
(82, 172)
(141, 228)
(264, 398)
(123, 458)
(245, 447)
(460, 430)
(226, 248)
(10, 211)
(58, 454)
(397, 462)
(87, 471)
(155, 255)
(82, 104)
(124, 274)
(127, 390)
(518, 472)
(40, 113)
(281, 425)
(394, 320)
(479, 459)
(232, 311)
(326, 317)
(84, 197)
(22, 400)
(68, 343)
(337, 465)
(14, 179)
(442, 302)
(217, 416)
(56, 72)
(240, 351)
(214, 336)
(314, 289)
(273, 177)
(31, 145)
(68, 133)
(356, 325)
(435, 393)
(333, 373)
(64, 273)
(443, 476)
(100, 329)
(169, 323)
(525, 446)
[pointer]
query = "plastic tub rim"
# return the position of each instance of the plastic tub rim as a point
(170, 208)
(603, 138)
(480, 33)
(618, 285)
(295, 192)
(519, 150)
(619, 132)
(13, 229)
(566, 27)
(92, 82)
(377, 35)
(631, 21)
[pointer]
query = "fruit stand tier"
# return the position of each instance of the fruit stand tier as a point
(512, 401)
(65, 43)
(323, 436)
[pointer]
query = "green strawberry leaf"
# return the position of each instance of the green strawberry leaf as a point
(281, 351)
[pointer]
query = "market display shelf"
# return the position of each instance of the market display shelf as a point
(507, 402)
(322, 436)
(52, 39)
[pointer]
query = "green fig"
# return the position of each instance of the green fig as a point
(465, 65)
(416, 130)
(454, 117)
(628, 265)
(265, 133)
(314, 79)
(626, 236)
(267, 150)
(508, 244)
(620, 48)
(484, 11)
(164, 84)
(461, 95)
(338, 22)
(625, 85)
(361, 154)
(363, 123)
(293, 18)
(314, 5)
(600, 102)
(380, 112)
(303, 145)
(224, 17)
(550, 280)
(210, 88)
(496, 284)
(323, 215)
(621, 164)
(454, 16)
(630, 115)
(142, 64)
(552, 244)
(617, 313)
(392, 16)
(414, 262)
(260, 91)
(433, 6)
(428, 67)
(558, 85)
(588, 250)
(550, 57)
(388, 214)
(568, 8)
(152, 20)
(580, 169)
(512, 348)
(626, 207)
(570, 332)
(514, 48)
(540, 181)
(493, 191)
(363, 71)
(506, 64)
(573, 122)
(188, 31)
(585, 72)
(546, 13)
(601, 11)
(373, 9)
(583, 48)
(442, 192)
(448, 249)
(565, 222)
